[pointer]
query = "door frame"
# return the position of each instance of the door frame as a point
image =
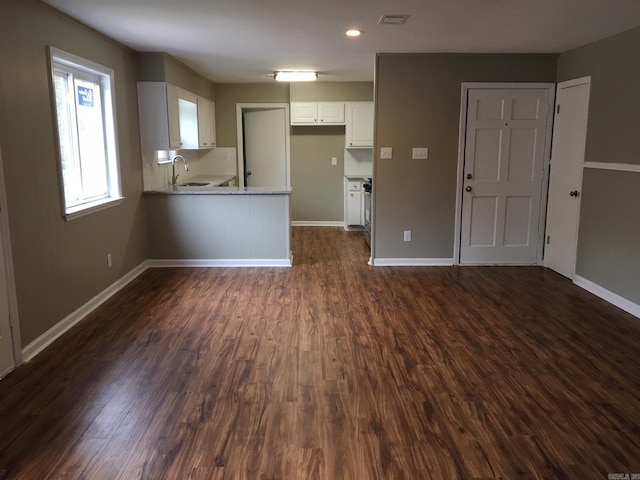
(12, 297)
(240, 108)
(464, 97)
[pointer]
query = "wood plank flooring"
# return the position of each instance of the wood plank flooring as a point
(332, 370)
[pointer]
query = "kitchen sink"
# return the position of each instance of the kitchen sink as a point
(195, 184)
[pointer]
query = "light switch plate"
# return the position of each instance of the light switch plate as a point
(421, 153)
(386, 152)
(334, 160)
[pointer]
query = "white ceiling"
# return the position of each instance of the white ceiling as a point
(242, 41)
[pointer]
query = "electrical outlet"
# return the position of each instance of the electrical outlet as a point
(407, 235)
(109, 262)
(334, 160)
(386, 153)
(420, 153)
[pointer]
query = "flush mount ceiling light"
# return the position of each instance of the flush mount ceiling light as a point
(295, 76)
(393, 19)
(353, 33)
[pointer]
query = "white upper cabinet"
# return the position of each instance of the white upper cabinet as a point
(359, 125)
(317, 113)
(331, 113)
(206, 123)
(304, 113)
(159, 116)
(170, 118)
(188, 113)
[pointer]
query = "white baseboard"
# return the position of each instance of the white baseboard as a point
(48, 337)
(226, 262)
(613, 298)
(300, 223)
(411, 262)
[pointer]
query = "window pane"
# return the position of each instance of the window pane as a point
(91, 143)
(70, 166)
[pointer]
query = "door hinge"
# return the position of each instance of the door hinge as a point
(548, 239)
(557, 109)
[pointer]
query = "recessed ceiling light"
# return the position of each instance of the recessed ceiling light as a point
(295, 76)
(393, 19)
(353, 33)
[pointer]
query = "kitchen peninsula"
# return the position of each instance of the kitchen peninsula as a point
(219, 226)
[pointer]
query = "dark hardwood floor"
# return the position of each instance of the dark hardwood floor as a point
(332, 370)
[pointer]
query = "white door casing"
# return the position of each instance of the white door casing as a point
(565, 178)
(9, 333)
(506, 147)
(263, 143)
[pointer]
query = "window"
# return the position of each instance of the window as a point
(85, 117)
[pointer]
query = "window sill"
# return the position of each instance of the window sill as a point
(88, 208)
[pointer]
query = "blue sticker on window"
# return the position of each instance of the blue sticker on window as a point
(85, 96)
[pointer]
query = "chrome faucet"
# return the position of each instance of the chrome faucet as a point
(174, 175)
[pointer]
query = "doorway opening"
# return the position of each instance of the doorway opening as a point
(263, 138)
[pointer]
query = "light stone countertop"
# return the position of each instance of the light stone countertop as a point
(215, 189)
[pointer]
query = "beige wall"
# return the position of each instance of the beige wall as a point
(332, 92)
(60, 265)
(229, 94)
(160, 67)
(418, 105)
(609, 233)
(318, 186)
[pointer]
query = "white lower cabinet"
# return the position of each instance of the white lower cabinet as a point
(354, 203)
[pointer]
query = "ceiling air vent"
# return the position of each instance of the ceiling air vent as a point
(393, 19)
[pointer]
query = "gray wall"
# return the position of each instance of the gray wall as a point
(418, 105)
(228, 94)
(317, 185)
(160, 67)
(60, 265)
(609, 234)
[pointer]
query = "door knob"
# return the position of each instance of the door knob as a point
(248, 173)
(468, 189)
(469, 176)
(574, 193)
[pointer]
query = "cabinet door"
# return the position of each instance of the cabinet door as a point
(158, 116)
(304, 113)
(354, 203)
(188, 112)
(359, 125)
(173, 112)
(206, 123)
(331, 113)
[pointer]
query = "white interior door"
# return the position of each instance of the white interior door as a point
(265, 132)
(565, 180)
(504, 163)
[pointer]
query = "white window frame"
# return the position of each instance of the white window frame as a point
(67, 62)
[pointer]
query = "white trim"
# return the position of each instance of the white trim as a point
(619, 167)
(222, 262)
(575, 82)
(304, 223)
(240, 136)
(466, 86)
(613, 298)
(411, 262)
(60, 328)
(88, 208)
(12, 297)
